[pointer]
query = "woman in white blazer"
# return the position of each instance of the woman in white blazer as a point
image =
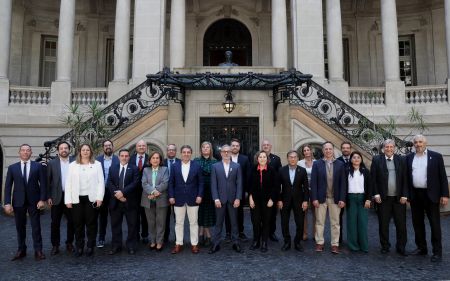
(83, 194)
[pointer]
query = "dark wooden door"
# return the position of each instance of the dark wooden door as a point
(219, 131)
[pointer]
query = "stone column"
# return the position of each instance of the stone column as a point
(119, 86)
(122, 40)
(65, 40)
(279, 34)
(307, 30)
(5, 44)
(5, 36)
(148, 38)
(177, 33)
(334, 40)
(61, 88)
(395, 88)
(447, 35)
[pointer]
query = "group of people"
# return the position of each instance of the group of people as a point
(148, 190)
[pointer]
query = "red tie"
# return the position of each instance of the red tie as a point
(140, 163)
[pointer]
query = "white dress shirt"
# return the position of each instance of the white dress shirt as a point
(28, 167)
(234, 158)
(226, 166)
(356, 183)
(419, 170)
(185, 170)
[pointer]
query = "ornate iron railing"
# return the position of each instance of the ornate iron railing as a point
(292, 86)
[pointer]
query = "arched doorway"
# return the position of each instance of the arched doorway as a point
(223, 35)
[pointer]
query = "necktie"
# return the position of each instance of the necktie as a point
(121, 178)
(346, 160)
(140, 163)
(170, 165)
(24, 176)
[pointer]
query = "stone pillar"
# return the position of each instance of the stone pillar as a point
(65, 40)
(5, 36)
(307, 30)
(279, 34)
(447, 35)
(395, 88)
(61, 88)
(334, 40)
(122, 40)
(177, 33)
(148, 38)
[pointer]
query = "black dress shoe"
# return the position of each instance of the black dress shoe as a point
(89, 252)
(384, 250)
(78, 252)
(131, 251)
(436, 258)
(227, 238)
(264, 247)
(237, 248)
(243, 237)
(214, 249)
(55, 250)
(19, 255)
(114, 251)
(273, 237)
(255, 245)
(298, 247)
(38, 255)
(286, 246)
(402, 252)
(419, 252)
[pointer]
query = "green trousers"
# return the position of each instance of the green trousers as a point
(357, 223)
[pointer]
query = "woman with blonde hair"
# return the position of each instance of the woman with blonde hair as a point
(84, 191)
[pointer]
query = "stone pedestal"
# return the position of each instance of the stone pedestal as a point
(116, 89)
(395, 93)
(61, 92)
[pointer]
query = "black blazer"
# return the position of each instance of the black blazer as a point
(380, 176)
(274, 162)
(299, 191)
(246, 170)
(367, 181)
(437, 183)
(269, 189)
(54, 181)
(129, 188)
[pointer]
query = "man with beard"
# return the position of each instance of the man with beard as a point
(107, 160)
(346, 150)
(56, 178)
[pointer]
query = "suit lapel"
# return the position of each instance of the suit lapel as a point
(58, 171)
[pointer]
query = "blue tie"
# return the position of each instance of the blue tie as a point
(121, 178)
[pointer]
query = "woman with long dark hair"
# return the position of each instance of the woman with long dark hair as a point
(358, 203)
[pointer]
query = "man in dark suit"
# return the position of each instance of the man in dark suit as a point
(28, 195)
(107, 160)
(57, 170)
(140, 160)
(185, 193)
(294, 196)
(244, 162)
(168, 162)
(428, 184)
(226, 191)
(275, 163)
(122, 182)
(328, 191)
(346, 150)
(388, 173)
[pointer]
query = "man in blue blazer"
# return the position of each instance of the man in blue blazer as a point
(185, 193)
(29, 195)
(328, 191)
(107, 159)
(226, 191)
(428, 184)
(122, 182)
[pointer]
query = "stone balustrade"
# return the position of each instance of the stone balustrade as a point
(85, 96)
(430, 94)
(29, 95)
(367, 95)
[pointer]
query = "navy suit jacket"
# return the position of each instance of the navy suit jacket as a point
(246, 170)
(437, 182)
(34, 191)
(226, 189)
(319, 181)
(186, 192)
(380, 176)
(129, 188)
(115, 161)
(165, 164)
